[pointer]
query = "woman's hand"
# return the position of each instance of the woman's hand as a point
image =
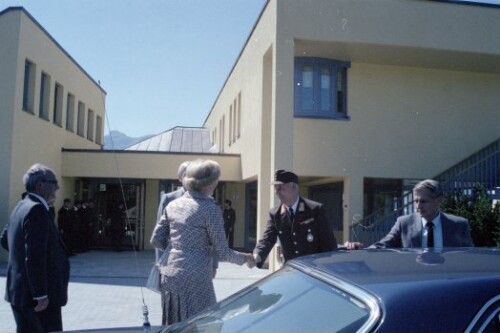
(250, 260)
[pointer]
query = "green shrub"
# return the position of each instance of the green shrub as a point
(476, 206)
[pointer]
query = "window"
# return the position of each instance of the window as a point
(238, 116)
(231, 128)
(90, 125)
(80, 122)
(320, 88)
(70, 112)
(233, 121)
(279, 301)
(222, 126)
(98, 130)
(58, 105)
(29, 86)
(44, 96)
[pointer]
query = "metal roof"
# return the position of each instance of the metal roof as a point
(178, 139)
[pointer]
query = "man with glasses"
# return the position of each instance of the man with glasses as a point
(300, 224)
(38, 267)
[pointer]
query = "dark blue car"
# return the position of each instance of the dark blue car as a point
(373, 290)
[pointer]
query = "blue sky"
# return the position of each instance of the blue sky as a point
(161, 62)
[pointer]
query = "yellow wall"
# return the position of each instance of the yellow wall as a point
(422, 92)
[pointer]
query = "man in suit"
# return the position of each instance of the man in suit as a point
(300, 224)
(170, 196)
(428, 227)
(38, 267)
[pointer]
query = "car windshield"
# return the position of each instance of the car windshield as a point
(286, 301)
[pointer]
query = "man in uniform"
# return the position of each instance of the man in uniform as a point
(299, 223)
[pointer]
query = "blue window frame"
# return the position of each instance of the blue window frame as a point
(320, 88)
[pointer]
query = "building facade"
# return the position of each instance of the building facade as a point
(359, 98)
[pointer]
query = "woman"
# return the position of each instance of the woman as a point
(190, 232)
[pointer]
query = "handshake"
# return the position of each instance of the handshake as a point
(252, 259)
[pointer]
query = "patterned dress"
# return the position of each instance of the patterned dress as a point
(191, 232)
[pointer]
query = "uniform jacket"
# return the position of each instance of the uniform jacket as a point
(38, 264)
(309, 233)
(407, 232)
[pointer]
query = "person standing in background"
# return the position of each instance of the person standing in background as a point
(117, 226)
(38, 267)
(229, 221)
(66, 225)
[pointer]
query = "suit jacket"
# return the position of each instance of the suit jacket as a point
(309, 233)
(407, 232)
(164, 201)
(166, 198)
(38, 264)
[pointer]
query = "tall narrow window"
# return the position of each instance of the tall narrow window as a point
(70, 112)
(320, 88)
(325, 90)
(80, 121)
(44, 96)
(90, 125)
(233, 121)
(230, 124)
(98, 130)
(29, 86)
(58, 104)
(238, 122)
(341, 87)
(221, 134)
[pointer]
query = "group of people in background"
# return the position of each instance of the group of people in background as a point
(192, 234)
(76, 225)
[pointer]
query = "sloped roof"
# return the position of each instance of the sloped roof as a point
(177, 139)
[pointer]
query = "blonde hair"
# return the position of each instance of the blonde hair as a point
(201, 174)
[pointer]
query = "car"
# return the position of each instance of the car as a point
(370, 290)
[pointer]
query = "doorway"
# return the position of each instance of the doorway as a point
(330, 195)
(108, 197)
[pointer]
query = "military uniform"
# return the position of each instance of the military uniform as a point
(307, 233)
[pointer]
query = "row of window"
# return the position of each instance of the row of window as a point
(320, 91)
(91, 128)
(234, 125)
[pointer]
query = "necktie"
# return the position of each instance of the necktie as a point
(292, 215)
(430, 234)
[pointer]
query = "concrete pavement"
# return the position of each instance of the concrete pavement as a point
(105, 290)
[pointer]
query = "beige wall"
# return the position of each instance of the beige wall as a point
(423, 86)
(27, 138)
(8, 54)
(35, 139)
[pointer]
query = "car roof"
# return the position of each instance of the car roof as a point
(453, 282)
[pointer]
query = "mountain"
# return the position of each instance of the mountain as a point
(116, 140)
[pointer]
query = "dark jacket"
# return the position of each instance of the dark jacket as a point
(38, 264)
(407, 232)
(309, 233)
